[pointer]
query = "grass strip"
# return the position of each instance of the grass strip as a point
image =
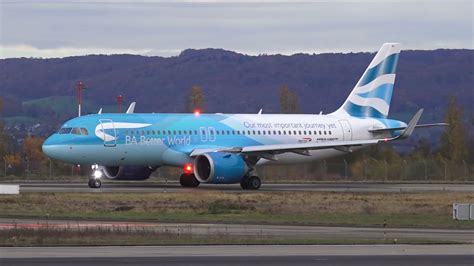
(426, 209)
(109, 237)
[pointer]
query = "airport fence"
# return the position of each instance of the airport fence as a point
(370, 170)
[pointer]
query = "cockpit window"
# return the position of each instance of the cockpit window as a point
(65, 130)
(75, 131)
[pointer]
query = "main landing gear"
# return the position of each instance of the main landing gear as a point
(188, 180)
(251, 182)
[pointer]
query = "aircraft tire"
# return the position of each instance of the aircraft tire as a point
(254, 183)
(95, 183)
(244, 183)
(188, 180)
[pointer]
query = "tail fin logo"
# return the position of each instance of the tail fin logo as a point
(372, 95)
(106, 131)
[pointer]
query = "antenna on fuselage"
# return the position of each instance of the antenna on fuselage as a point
(260, 112)
(100, 111)
(131, 108)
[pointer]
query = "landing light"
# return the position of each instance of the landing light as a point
(188, 168)
(97, 174)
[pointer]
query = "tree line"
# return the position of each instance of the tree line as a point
(457, 144)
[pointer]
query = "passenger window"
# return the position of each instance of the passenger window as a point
(324, 132)
(330, 133)
(289, 132)
(320, 132)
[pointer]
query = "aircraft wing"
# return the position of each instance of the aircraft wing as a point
(269, 151)
(300, 148)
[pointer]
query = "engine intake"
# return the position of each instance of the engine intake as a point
(219, 168)
(127, 172)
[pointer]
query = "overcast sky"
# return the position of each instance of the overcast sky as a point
(62, 28)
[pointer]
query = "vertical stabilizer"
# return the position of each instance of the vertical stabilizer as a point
(372, 95)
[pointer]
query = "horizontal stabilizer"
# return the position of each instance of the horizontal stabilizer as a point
(383, 130)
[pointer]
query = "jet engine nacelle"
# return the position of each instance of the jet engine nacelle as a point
(127, 172)
(219, 168)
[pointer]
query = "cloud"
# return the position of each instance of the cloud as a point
(11, 51)
(56, 28)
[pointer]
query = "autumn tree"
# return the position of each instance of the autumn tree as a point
(454, 138)
(32, 149)
(3, 138)
(196, 99)
(289, 103)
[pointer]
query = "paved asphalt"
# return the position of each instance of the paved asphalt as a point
(290, 231)
(421, 260)
(142, 187)
(243, 255)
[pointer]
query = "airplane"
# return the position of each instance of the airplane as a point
(228, 148)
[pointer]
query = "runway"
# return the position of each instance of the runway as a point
(283, 231)
(149, 187)
(388, 260)
(241, 255)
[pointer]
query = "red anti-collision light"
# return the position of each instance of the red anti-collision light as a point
(188, 168)
(197, 112)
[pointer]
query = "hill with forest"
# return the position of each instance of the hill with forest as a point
(41, 91)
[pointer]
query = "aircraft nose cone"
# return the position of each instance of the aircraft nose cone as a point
(49, 148)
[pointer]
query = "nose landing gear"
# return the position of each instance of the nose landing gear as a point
(94, 181)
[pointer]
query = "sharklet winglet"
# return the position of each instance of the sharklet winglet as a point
(131, 108)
